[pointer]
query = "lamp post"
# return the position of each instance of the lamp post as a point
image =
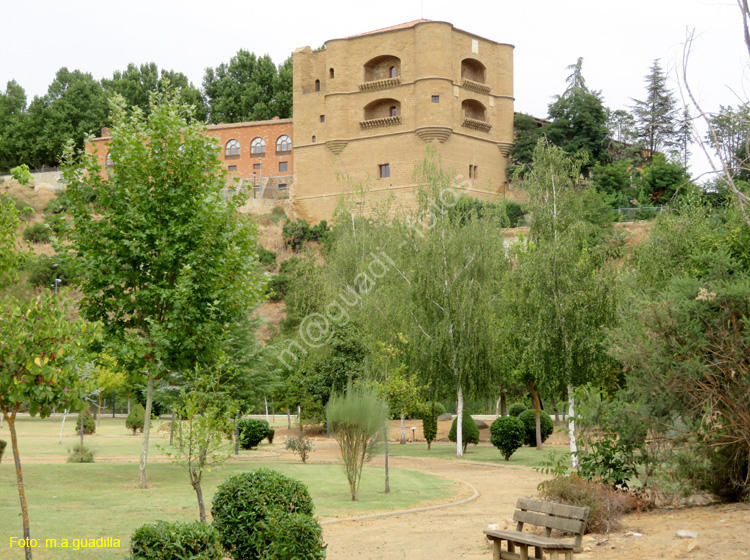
(253, 184)
(56, 284)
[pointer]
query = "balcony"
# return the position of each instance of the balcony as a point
(380, 84)
(475, 86)
(379, 123)
(475, 124)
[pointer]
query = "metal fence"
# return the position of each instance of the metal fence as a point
(640, 212)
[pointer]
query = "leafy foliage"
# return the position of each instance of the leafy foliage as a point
(300, 445)
(80, 454)
(469, 429)
(252, 432)
(89, 424)
(507, 433)
(21, 174)
(166, 541)
(528, 417)
(3, 444)
(430, 413)
(265, 257)
(135, 419)
(298, 231)
(516, 408)
(289, 536)
(243, 502)
(37, 233)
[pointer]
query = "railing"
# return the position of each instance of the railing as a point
(378, 123)
(380, 84)
(476, 124)
(640, 212)
(475, 86)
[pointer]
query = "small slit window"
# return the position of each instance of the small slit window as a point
(393, 111)
(232, 148)
(317, 85)
(330, 73)
(393, 72)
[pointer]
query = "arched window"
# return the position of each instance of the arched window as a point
(258, 147)
(110, 163)
(393, 111)
(382, 67)
(393, 72)
(382, 108)
(232, 148)
(283, 144)
(317, 85)
(472, 69)
(473, 110)
(330, 73)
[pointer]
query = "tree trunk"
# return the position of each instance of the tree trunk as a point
(387, 476)
(196, 482)
(503, 404)
(237, 434)
(99, 411)
(459, 423)
(572, 428)
(83, 413)
(127, 391)
(142, 476)
(171, 428)
(402, 441)
(62, 425)
(265, 400)
(19, 481)
(537, 407)
(288, 419)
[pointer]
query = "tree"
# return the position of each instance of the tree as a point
(731, 131)
(560, 297)
(661, 180)
(430, 422)
(9, 256)
(206, 414)
(657, 113)
(12, 121)
(107, 377)
(248, 88)
(167, 263)
(527, 131)
(357, 419)
(38, 344)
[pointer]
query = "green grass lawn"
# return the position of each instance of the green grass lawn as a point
(484, 452)
(81, 501)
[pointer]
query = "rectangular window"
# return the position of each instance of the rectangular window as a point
(472, 172)
(256, 166)
(232, 168)
(283, 185)
(283, 165)
(436, 99)
(322, 118)
(384, 170)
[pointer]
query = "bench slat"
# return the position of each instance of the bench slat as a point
(559, 510)
(528, 539)
(561, 523)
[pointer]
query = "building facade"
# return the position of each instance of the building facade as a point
(365, 108)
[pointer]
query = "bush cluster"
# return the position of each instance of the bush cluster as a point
(516, 408)
(245, 510)
(606, 504)
(528, 417)
(24, 210)
(252, 432)
(297, 232)
(271, 433)
(43, 270)
(265, 257)
(469, 430)
(89, 424)
(300, 445)
(80, 454)
(134, 421)
(3, 445)
(37, 233)
(507, 433)
(278, 285)
(166, 541)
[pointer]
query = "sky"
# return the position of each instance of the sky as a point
(618, 40)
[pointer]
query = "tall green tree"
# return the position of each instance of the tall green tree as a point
(248, 88)
(657, 114)
(167, 263)
(12, 121)
(731, 132)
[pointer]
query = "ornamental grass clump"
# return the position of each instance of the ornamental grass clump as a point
(357, 420)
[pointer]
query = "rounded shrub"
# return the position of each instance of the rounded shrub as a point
(165, 541)
(271, 433)
(89, 424)
(516, 408)
(528, 418)
(290, 536)
(134, 421)
(469, 430)
(244, 501)
(252, 432)
(507, 433)
(37, 233)
(3, 445)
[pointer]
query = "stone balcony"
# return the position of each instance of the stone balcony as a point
(475, 86)
(475, 124)
(380, 84)
(379, 123)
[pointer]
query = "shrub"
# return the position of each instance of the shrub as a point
(266, 258)
(37, 233)
(290, 536)
(134, 421)
(514, 211)
(22, 174)
(252, 432)
(56, 206)
(298, 231)
(606, 504)
(430, 415)
(469, 430)
(528, 417)
(3, 445)
(80, 454)
(89, 424)
(516, 408)
(165, 541)
(242, 502)
(24, 210)
(507, 433)
(56, 223)
(271, 433)
(43, 270)
(300, 445)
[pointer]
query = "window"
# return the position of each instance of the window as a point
(110, 163)
(472, 172)
(393, 72)
(322, 118)
(330, 73)
(384, 170)
(283, 166)
(283, 144)
(393, 111)
(256, 166)
(317, 85)
(283, 185)
(233, 148)
(232, 168)
(258, 147)
(314, 139)
(436, 99)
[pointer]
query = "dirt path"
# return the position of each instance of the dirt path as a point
(456, 532)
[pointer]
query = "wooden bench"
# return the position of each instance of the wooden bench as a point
(570, 519)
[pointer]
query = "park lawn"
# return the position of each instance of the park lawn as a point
(82, 501)
(484, 452)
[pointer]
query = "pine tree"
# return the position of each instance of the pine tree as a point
(657, 114)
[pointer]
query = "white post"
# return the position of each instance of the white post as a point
(572, 428)
(62, 426)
